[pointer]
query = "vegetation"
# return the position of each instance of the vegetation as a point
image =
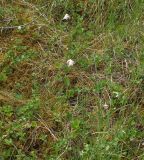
(92, 110)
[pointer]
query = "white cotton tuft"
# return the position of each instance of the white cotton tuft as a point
(66, 17)
(105, 106)
(70, 62)
(19, 27)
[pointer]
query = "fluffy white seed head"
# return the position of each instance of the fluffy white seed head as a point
(66, 17)
(105, 106)
(70, 62)
(19, 27)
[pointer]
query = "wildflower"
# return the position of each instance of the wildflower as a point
(70, 62)
(105, 106)
(19, 27)
(66, 17)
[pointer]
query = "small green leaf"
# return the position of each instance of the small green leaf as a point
(8, 141)
(66, 81)
(3, 76)
(75, 124)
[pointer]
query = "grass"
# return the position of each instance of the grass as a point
(90, 111)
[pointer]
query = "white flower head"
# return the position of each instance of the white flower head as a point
(19, 27)
(70, 62)
(105, 106)
(66, 17)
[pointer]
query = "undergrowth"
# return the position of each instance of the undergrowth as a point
(92, 110)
